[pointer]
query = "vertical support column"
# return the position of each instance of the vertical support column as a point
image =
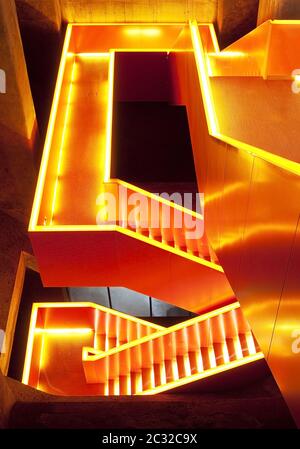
(278, 9)
(235, 19)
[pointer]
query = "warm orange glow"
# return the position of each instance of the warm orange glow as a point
(89, 55)
(204, 80)
(145, 343)
(205, 374)
(65, 126)
(143, 31)
(50, 130)
(211, 115)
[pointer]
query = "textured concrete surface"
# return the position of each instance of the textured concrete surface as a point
(17, 111)
(235, 19)
(278, 9)
(138, 10)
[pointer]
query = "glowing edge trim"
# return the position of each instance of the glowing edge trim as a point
(62, 143)
(109, 115)
(210, 113)
(130, 233)
(156, 198)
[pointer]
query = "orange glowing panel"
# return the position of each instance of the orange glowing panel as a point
(71, 226)
(86, 349)
(269, 51)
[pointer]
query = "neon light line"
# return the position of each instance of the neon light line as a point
(212, 123)
(62, 144)
(49, 135)
(109, 116)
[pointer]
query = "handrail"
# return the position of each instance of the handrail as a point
(155, 197)
(211, 115)
(161, 333)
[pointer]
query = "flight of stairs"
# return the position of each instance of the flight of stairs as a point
(171, 357)
(159, 221)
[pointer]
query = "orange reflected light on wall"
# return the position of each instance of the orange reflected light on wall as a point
(65, 130)
(109, 117)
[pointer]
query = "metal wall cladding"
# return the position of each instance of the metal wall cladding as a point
(251, 216)
(284, 357)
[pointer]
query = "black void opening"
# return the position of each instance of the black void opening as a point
(33, 291)
(151, 145)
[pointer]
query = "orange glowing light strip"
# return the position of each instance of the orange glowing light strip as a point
(127, 24)
(49, 135)
(151, 50)
(154, 197)
(130, 233)
(227, 54)
(62, 144)
(109, 116)
(210, 112)
(86, 352)
(207, 373)
(29, 347)
(63, 331)
(33, 330)
(143, 31)
(91, 356)
(169, 248)
(205, 83)
(95, 55)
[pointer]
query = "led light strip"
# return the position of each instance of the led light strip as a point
(207, 373)
(33, 330)
(50, 131)
(210, 112)
(109, 116)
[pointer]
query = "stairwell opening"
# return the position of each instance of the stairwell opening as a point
(151, 145)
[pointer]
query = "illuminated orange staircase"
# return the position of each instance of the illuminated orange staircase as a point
(87, 349)
(77, 239)
(184, 353)
(164, 262)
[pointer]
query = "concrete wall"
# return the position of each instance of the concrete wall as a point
(278, 9)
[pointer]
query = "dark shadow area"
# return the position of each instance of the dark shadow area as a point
(33, 291)
(42, 45)
(258, 405)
